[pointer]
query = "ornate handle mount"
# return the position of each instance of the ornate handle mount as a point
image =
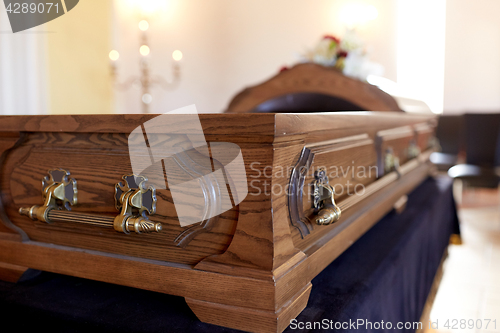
(324, 201)
(58, 192)
(391, 161)
(134, 201)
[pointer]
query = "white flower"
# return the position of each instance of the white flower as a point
(323, 54)
(351, 41)
(358, 65)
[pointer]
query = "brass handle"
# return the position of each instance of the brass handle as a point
(324, 200)
(413, 150)
(391, 161)
(132, 224)
(328, 215)
(131, 198)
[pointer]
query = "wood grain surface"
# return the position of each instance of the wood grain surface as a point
(11, 273)
(253, 269)
(98, 162)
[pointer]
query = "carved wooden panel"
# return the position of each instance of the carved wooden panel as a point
(425, 135)
(396, 141)
(8, 230)
(350, 164)
(97, 162)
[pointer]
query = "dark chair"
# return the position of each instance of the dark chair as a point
(450, 133)
(481, 149)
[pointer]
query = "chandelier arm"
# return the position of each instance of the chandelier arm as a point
(167, 84)
(125, 85)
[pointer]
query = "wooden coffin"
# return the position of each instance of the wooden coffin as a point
(248, 267)
(309, 87)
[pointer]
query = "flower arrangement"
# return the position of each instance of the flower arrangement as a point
(347, 55)
(328, 52)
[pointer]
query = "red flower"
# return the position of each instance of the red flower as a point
(342, 54)
(284, 68)
(332, 38)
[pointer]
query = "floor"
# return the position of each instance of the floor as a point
(469, 293)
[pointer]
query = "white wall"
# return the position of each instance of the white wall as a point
(421, 50)
(472, 56)
(229, 44)
(23, 77)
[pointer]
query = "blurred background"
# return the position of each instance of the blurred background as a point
(446, 53)
(153, 56)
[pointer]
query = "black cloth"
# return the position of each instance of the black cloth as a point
(386, 275)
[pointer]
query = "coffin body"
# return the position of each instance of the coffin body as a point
(246, 266)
